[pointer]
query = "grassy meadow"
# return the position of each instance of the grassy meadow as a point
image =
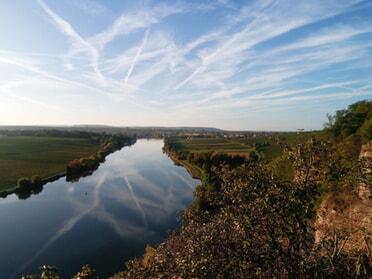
(223, 145)
(269, 147)
(23, 156)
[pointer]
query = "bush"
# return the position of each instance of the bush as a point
(36, 180)
(24, 183)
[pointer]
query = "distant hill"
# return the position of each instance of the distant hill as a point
(211, 129)
(108, 128)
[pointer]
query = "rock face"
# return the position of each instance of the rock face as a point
(349, 215)
(366, 151)
(365, 157)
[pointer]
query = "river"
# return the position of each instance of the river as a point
(103, 220)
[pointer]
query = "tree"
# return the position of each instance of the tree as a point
(256, 225)
(24, 183)
(48, 272)
(86, 273)
(350, 121)
(36, 180)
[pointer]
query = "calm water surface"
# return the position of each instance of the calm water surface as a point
(104, 219)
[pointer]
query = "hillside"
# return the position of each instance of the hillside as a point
(306, 214)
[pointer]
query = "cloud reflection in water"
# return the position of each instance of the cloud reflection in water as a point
(136, 193)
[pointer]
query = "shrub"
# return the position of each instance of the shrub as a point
(24, 183)
(36, 180)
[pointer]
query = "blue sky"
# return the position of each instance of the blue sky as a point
(236, 65)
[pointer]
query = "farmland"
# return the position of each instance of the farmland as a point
(222, 145)
(267, 147)
(197, 153)
(25, 156)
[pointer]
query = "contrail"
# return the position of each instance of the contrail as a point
(137, 55)
(66, 28)
(136, 200)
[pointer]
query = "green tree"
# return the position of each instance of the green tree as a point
(350, 121)
(36, 180)
(24, 183)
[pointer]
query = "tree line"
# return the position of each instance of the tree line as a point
(255, 219)
(86, 165)
(77, 168)
(51, 133)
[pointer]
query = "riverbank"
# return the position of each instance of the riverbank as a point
(32, 161)
(15, 189)
(130, 201)
(194, 171)
(45, 156)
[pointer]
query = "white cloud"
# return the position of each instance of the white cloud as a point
(79, 43)
(69, 67)
(137, 55)
(90, 7)
(262, 23)
(246, 56)
(128, 23)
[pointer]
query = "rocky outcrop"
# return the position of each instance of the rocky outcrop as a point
(346, 218)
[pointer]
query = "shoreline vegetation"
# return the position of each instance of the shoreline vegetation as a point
(255, 217)
(190, 151)
(194, 171)
(76, 168)
(255, 213)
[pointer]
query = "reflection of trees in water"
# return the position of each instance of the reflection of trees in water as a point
(74, 174)
(27, 187)
(76, 169)
(24, 194)
(134, 202)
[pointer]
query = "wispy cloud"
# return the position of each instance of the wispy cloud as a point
(266, 22)
(211, 55)
(91, 7)
(139, 207)
(137, 55)
(80, 45)
(33, 66)
(67, 226)
(131, 22)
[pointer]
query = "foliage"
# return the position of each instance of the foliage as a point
(27, 156)
(253, 224)
(51, 272)
(86, 273)
(267, 147)
(27, 186)
(23, 156)
(86, 165)
(50, 133)
(259, 230)
(24, 183)
(36, 180)
(356, 119)
(48, 272)
(255, 220)
(281, 167)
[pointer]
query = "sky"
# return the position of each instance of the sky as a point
(274, 65)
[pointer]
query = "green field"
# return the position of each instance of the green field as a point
(44, 156)
(268, 147)
(210, 144)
